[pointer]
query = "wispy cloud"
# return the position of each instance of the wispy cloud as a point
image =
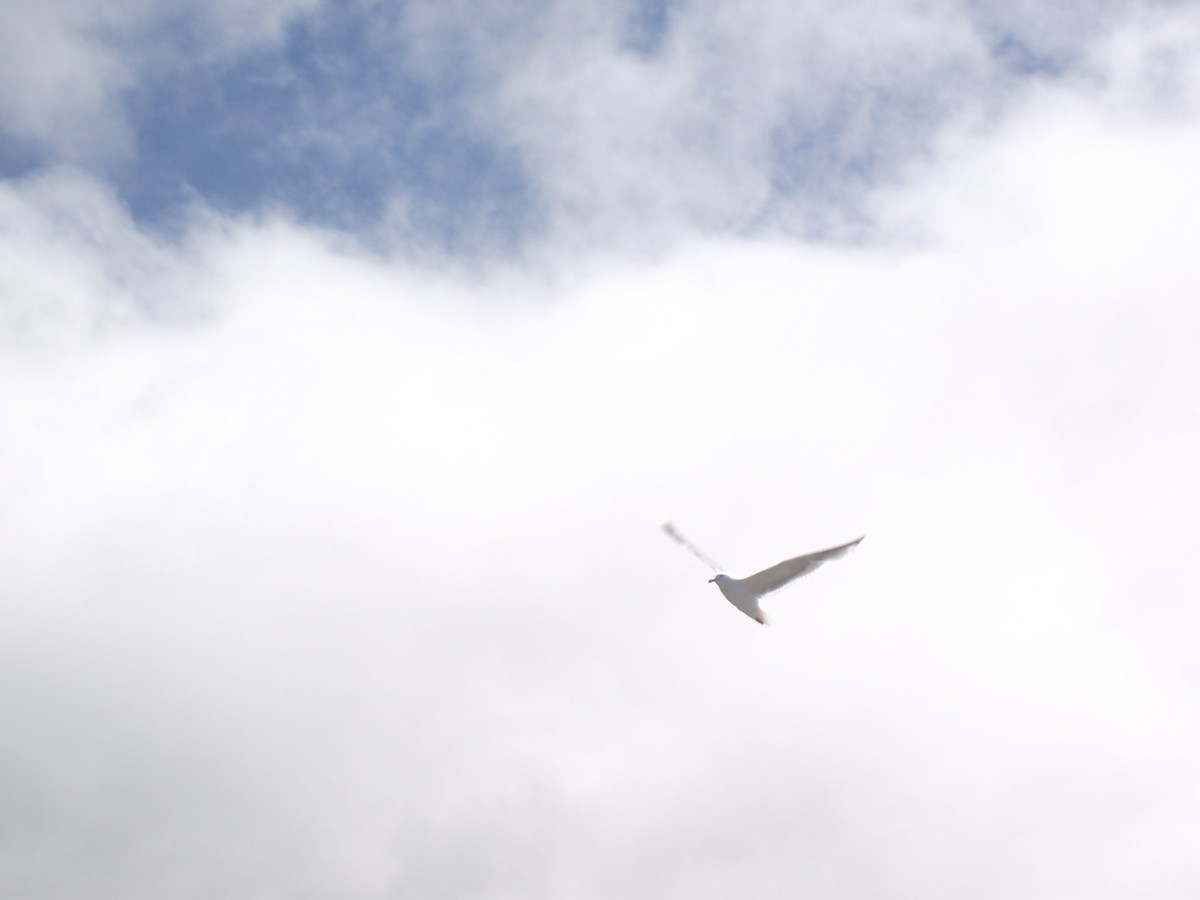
(488, 131)
(66, 66)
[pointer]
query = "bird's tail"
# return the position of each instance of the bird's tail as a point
(762, 618)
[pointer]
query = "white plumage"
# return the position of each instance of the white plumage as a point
(745, 592)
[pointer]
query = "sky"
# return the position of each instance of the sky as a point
(352, 354)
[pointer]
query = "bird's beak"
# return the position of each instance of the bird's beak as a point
(711, 580)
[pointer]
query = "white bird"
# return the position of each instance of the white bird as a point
(744, 592)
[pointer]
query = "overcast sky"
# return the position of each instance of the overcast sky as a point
(351, 354)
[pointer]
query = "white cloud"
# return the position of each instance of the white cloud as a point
(757, 116)
(58, 80)
(330, 574)
(625, 144)
(64, 65)
(749, 118)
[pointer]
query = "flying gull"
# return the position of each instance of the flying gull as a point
(744, 592)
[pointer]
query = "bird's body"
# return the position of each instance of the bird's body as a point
(739, 595)
(744, 593)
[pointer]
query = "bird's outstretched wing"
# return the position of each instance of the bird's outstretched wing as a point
(676, 534)
(778, 575)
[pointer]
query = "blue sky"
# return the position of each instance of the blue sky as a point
(327, 123)
(341, 111)
(351, 355)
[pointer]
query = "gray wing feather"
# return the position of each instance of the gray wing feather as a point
(790, 569)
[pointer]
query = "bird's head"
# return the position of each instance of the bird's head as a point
(718, 578)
